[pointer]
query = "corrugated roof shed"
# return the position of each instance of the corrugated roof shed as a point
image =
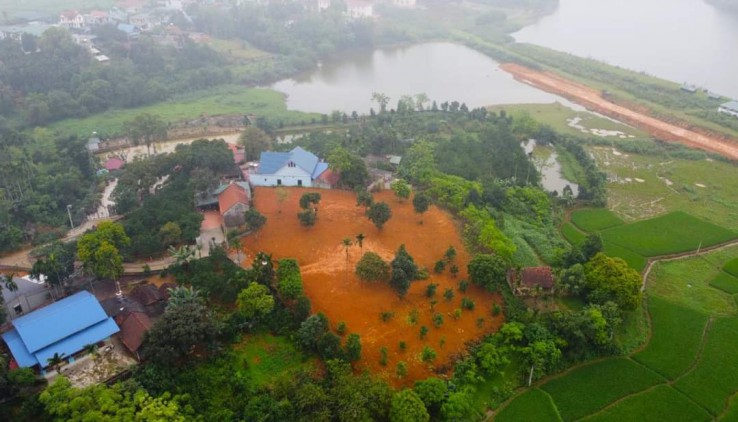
(64, 327)
(731, 105)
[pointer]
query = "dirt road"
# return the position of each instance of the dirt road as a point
(592, 99)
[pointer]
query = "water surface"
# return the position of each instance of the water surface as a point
(680, 40)
(443, 71)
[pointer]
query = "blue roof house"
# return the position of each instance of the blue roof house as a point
(295, 168)
(64, 327)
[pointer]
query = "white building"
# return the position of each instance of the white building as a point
(71, 19)
(407, 4)
(295, 168)
(358, 9)
(730, 107)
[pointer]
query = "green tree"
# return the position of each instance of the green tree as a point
(351, 167)
(177, 332)
(307, 217)
(146, 128)
(428, 354)
(353, 347)
(346, 243)
(56, 361)
(99, 250)
(371, 267)
(421, 203)
(489, 271)
(309, 200)
(401, 189)
(182, 295)
(360, 241)
(311, 331)
(404, 271)
(459, 406)
(254, 142)
(408, 407)
(255, 301)
(364, 198)
(254, 219)
(289, 279)
(379, 213)
(119, 402)
(401, 368)
(542, 356)
(432, 391)
(382, 100)
(170, 234)
(611, 279)
(592, 246)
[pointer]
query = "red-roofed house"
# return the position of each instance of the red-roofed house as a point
(531, 280)
(238, 153)
(71, 19)
(114, 163)
(327, 180)
(133, 326)
(233, 202)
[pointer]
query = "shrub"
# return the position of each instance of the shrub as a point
(467, 303)
(401, 369)
(430, 290)
(386, 315)
(383, 356)
(341, 328)
(412, 317)
(457, 313)
(448, 294)
(423, 332)
(454, 270)
(437, 320)
(428, 354)
(439, 266)
(402, 345)
(463, 286)
(371, 267)
(496, 309)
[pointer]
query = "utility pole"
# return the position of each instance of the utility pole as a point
(69, 213)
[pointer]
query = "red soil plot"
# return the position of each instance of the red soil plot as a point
(334, 289)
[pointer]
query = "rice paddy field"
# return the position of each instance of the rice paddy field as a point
(687, 371)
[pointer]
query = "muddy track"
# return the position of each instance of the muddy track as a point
(592, 99)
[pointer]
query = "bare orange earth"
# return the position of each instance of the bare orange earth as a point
(592, 99)
(334, 289)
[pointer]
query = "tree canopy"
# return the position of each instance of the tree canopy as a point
(379, 213)
(612, 279)
(488, 271)
(371, 267)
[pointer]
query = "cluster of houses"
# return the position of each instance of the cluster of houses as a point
(730, 107)
(44, 333)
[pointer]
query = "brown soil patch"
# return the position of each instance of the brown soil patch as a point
(592, 99)
(211, 220)
(337, 292)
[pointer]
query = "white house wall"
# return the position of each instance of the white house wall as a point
(728, 111)
(288, 176)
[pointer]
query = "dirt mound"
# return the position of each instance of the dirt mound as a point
(591, 99)
(333, 288)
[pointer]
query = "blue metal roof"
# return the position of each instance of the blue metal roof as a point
(305, 160)
(319, 169)
(59, 320)
(78, 341)
(24, 358)
(270, 162)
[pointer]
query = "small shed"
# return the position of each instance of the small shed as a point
(531, 281)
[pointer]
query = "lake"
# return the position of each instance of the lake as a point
(680, 40)
(443, 71)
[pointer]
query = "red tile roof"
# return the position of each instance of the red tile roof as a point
(238, 154)
(537, 276)
(114, 164)
(132, 330)
(330, 177)
(232, 195)
(147, 294)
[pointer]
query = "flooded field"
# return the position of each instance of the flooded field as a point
(333, 288)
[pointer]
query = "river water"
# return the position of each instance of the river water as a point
(443, 71)
(681, 40)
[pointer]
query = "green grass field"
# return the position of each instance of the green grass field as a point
(731, 413)
(687, 282)
(637, 262)
(592, 220)
(675, 328)
(725, 282)
(668, 234)
(267, 357)
(590, 388)
(223, 100)
(662, 403)
(52, 7)
(532, 406)
(557, 116)
(702, 187)
(572, 234)
(731, 267)
(715, 379)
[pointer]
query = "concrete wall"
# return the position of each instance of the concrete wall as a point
(286, 176)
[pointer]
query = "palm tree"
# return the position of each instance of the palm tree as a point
(7, 280)
(235, 242)
(181, 295)
(360, 241)
(56, 361)
(346, 245)
(181, 255)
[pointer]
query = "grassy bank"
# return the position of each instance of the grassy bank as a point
(230, 99)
